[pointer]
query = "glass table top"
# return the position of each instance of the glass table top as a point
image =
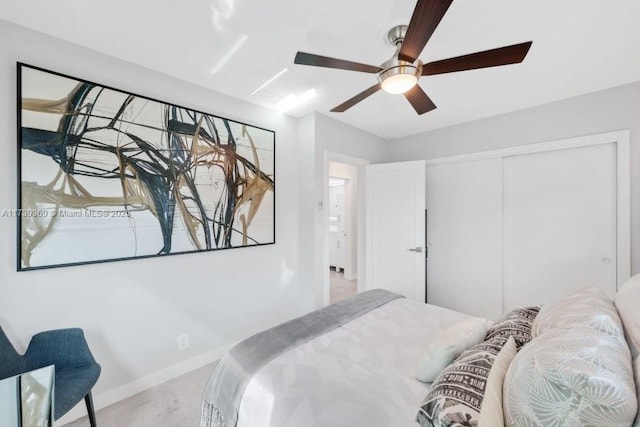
(26, 400)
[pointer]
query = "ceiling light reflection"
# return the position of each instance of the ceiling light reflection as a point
(268, 82)
(232, 51)
(293, 101)
(221, 11)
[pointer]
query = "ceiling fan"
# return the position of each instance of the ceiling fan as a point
(400, 74)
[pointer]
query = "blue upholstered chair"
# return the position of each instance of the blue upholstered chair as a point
(76, 371)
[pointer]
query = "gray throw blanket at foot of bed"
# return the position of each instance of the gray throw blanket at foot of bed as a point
(229, 380)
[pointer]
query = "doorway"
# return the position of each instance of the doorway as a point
(340, 287)
(341, 200)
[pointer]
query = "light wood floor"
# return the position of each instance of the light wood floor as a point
(340, 287)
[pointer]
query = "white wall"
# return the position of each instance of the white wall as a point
(132, 311)
(307, 206)
(599, 112)
(329, 135)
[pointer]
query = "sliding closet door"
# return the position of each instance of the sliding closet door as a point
(464, 233)
(559, 223)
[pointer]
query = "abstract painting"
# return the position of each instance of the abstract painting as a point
(108, 175)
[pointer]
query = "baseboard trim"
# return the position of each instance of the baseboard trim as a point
(109, 397)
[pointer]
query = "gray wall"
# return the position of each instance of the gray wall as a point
(604, 111)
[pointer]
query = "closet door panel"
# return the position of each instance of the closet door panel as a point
(559, 224)
(464, 233)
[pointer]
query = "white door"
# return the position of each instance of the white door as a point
(464, 234)
(559, 223)
(341, 250)
(395, 218)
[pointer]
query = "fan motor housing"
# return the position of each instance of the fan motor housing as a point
(396, 34)
(398, 66)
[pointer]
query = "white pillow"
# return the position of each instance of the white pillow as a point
(627, 301)
(449, 344)
(636, 368)
(585, 307)
(578, 376)
(535, 326)
(491, 414)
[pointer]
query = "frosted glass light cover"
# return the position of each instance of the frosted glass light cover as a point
(399, 83)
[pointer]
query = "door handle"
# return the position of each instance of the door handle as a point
(416, 249)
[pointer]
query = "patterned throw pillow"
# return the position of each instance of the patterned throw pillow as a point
(577, 371)
(571, 377)
(456, 398)
(517, 324)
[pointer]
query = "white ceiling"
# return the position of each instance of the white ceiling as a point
(579, 46)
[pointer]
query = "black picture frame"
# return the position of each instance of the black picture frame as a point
(108, 175)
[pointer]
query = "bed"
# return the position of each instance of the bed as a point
(360, 370)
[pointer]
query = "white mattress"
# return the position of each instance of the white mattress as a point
(361, 374)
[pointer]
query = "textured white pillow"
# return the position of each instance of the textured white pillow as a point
(585, 307)
(491, 414)
(449, 344)
(568, 377)
(636, 368)
(535, 326)
(627, 302)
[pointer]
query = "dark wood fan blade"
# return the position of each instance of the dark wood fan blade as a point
(489, 58)
(303, 58)
(359, 97)
(424, 21)
(419, 100)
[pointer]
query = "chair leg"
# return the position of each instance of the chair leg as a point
(92, 415)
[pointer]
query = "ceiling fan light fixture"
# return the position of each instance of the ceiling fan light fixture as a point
(399, 83)
(399, 76)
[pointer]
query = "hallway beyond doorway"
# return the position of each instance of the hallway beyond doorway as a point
(341, 288)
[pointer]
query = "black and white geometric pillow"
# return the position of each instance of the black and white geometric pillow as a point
(516, 323)
(457, 393)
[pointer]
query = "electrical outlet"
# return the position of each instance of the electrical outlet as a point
(183, 342)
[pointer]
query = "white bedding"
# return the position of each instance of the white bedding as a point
(360, 374)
